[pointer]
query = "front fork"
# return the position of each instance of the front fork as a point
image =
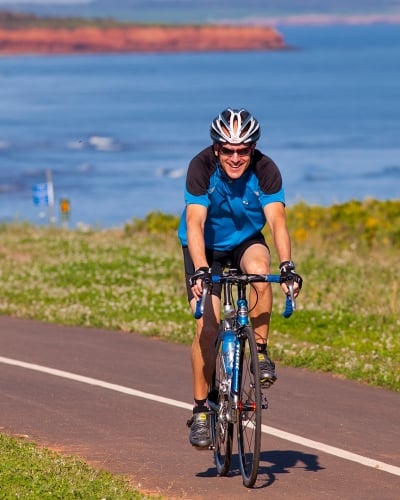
(235, 408)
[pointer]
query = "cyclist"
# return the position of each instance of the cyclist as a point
(232, 190)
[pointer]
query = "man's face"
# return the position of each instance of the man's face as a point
(234, 160)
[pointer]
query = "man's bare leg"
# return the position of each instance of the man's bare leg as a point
(256, 260)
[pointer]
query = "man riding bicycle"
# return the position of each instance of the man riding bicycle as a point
(232, 190)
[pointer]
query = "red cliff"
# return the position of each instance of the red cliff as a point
(140, 38)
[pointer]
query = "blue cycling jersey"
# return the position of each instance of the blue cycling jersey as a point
(235, 208)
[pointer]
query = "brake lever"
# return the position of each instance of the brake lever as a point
(290, 305)
(290, 286)
(200, 303)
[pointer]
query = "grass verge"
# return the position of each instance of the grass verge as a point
(30, 472)
(131, 279)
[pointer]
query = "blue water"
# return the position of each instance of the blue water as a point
(117, 131)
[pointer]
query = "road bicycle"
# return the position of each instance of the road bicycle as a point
(235, 393)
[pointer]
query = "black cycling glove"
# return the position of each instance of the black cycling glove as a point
(288, 273)
(203, 273)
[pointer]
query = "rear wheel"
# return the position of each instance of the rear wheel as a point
(222, 429)
(249, 409)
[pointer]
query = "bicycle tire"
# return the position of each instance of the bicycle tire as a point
(249, 409)
(222, 429)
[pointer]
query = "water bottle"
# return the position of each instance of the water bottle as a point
(242, 312)
(228, 350)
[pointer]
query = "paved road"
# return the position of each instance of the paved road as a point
(108, 419)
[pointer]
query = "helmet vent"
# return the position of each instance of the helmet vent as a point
(235, 127)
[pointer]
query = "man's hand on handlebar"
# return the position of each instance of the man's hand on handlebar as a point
(290, 280)
(201, 274)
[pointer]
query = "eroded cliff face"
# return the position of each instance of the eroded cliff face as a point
(91, 39)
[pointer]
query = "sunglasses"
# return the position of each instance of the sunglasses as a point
(230, 152)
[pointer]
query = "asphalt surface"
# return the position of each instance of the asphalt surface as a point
(105, 420)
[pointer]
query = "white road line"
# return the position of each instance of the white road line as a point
(332, 450)
(287, 436)
(96, 382)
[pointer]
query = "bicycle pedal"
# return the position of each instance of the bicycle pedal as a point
(203, 448)
(266, 383)
(264, 402)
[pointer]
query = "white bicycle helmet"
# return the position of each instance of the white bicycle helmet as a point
(235, 127)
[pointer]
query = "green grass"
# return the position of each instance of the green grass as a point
(33, 473)
(132, 279)
(347, 322)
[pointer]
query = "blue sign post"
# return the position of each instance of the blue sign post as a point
(40, 194)
(43, 195)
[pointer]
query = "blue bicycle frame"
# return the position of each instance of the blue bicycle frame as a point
(235, 396)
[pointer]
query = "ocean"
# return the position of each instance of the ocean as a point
(117, 131)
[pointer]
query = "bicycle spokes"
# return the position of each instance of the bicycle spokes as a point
(249, 407)
(222, 427)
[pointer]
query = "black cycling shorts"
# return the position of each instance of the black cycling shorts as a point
(217, 260)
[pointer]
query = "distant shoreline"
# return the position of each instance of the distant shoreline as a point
(26, 34)
(320, 20)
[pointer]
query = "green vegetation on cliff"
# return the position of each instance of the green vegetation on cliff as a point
(21, 21)
(11, 20)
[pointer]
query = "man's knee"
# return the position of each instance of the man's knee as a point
(256, 260)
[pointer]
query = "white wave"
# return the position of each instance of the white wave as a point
(177, 173)
(103, 143)
(172, 173)
(84, 167)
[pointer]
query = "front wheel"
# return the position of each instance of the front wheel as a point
(221, 427)
(249, 409)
